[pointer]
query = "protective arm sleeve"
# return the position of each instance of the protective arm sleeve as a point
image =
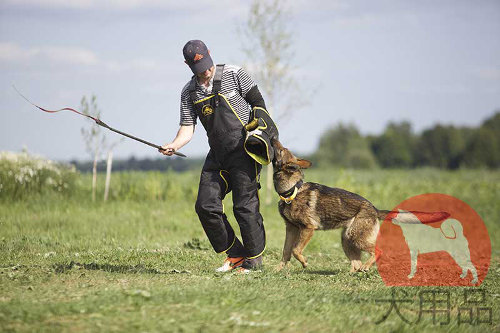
(254, 98)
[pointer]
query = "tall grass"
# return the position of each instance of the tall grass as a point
(23, 175)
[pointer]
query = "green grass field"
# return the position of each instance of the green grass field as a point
(141, 262)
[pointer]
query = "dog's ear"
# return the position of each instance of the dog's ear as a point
(304, 164)
(292, 167)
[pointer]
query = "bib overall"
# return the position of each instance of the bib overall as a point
(227, 168)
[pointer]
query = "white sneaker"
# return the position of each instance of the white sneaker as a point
(230, 264)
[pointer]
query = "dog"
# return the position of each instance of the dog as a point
(422, 238)
(307, 207)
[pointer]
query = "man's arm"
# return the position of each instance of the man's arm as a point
(183, 136)
(254, 98)
(249, 90)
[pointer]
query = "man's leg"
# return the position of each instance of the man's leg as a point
(211, 192)
(244, 179)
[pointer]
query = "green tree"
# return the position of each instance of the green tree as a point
(395, 147)
(94, 137)
(483, 149)
(493, 124)
(344, 146)
(441, 146)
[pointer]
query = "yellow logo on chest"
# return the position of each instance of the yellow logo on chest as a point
(207, 110)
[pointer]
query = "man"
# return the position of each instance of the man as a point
(224, 98)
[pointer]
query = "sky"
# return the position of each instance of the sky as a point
(362, 62)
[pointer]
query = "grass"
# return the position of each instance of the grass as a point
(141, 261)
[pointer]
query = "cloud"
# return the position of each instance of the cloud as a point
(199, 5)
(13, 53)
(489, 73)
(436, 89)
(137, 64)
(325, 5)
(197, 11)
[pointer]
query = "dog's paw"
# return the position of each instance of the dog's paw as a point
(280, 266)
(364, 269)
(410, 276)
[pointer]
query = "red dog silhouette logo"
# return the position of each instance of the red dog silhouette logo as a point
(433, 240)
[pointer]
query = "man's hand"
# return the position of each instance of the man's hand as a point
(183, 136)
(167, 149)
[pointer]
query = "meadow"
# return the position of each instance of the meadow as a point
(141, 262)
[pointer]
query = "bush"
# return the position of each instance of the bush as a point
(23, 175)
(343, 146)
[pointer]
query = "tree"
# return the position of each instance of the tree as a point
(344, 146)
(493, 124)
(483, 149)
(268, 45)
(95, 139)
(394, 148)
(109, 163)
(441, 146)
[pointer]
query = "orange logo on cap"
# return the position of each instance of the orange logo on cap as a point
(198, 57)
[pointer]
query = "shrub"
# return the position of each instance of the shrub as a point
(23, 175)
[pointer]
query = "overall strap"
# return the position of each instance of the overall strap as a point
(217, 79)
(192, 89)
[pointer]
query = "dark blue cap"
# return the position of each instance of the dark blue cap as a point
(197, 56)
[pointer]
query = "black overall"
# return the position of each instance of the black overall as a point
(227, 167)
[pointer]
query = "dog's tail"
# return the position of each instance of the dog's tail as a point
(383, 214)
(455, 225)
(423, 217)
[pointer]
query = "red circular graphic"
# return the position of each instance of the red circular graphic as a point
(433, 240)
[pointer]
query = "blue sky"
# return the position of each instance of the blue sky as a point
(367, 62)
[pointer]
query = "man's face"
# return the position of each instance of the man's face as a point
(207, 75)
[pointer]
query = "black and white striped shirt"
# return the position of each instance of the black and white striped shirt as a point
(236, 83)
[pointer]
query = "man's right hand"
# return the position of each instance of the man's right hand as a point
(167, 149)
(183, 136)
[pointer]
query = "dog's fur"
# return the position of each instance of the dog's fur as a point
(318, 207)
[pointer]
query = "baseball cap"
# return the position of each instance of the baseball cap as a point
(197, 56)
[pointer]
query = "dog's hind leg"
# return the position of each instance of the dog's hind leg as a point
(291, 238)
(369, 263)
(305, 235)
(474, 273)
(369, 246)
(352, 252)
(414, 256)
(469, 267)
(463, 260)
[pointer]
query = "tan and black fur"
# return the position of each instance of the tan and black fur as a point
(319, 207)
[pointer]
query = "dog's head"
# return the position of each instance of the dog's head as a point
(285, 161)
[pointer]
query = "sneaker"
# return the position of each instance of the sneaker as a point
(250, 265)
(242, 270)
(230, 264)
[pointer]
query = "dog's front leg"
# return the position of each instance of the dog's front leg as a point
(413, 255)
(305, 236)
(291, 236)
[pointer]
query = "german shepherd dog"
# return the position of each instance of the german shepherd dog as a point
(306, 207)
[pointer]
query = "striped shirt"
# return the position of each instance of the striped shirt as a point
(235, 85)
